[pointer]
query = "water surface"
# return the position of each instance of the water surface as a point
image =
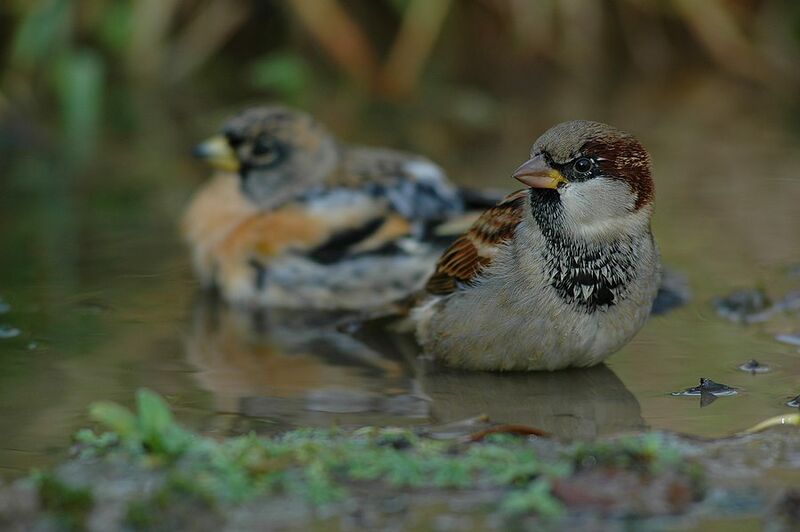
(99, 286)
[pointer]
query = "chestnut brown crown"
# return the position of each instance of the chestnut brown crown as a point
(616, 154)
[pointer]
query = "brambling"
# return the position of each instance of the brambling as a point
(298, 219)
(560, 274)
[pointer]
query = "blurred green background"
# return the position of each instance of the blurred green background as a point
(73, 71)
(102, 100)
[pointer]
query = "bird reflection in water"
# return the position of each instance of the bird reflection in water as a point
(574, 403)
(298, 369)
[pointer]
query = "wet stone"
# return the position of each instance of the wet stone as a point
(788, 509)
(790, 302)
(754, 366)
(794, 403)
(791, 339)
(7, 331)
(744, 306)
(673, 293)
(754, 306)
(707, 386)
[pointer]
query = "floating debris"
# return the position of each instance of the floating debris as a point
(754, 366)
(7, 331)
(791, 339)
(794, 403)
(708, 391)
(709, 386)
(791, 419)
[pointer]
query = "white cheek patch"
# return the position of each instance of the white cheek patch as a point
(600, 207)
(597, 199)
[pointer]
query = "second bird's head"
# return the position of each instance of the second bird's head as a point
(277, 152)
(589, 178)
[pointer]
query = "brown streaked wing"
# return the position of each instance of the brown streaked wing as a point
(473, 251)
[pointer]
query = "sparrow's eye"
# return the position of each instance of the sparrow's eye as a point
(266, 151)
(583, 165)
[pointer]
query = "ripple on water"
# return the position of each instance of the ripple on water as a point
(754, 366)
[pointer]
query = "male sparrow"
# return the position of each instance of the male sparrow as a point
(562, 273)
(298, 219)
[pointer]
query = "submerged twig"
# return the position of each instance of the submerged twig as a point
(790, 419)
(515, 429)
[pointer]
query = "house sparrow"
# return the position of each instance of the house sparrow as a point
(298, 219)
(560, 274)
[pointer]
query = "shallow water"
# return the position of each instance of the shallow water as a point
(98, 285)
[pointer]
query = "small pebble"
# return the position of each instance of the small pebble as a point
(754, 366)
(791, 339)
(794, 403)
(7, 331)
(707, 386)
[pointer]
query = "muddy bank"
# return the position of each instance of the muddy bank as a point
(149, 473)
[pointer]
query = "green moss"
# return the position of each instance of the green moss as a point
(70, 505)
(323, 466)
(648, 453)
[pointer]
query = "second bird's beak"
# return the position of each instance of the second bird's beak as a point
(218, 153)
(536, 173)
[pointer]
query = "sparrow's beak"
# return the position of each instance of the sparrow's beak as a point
(217, 152)
(536, 173)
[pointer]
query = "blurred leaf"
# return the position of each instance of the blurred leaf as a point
(399, 5)
(115, 29)
(159, 433)
(154, 414)
(79, 84)
(117, 418)
(285, 73)
(45, 26)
